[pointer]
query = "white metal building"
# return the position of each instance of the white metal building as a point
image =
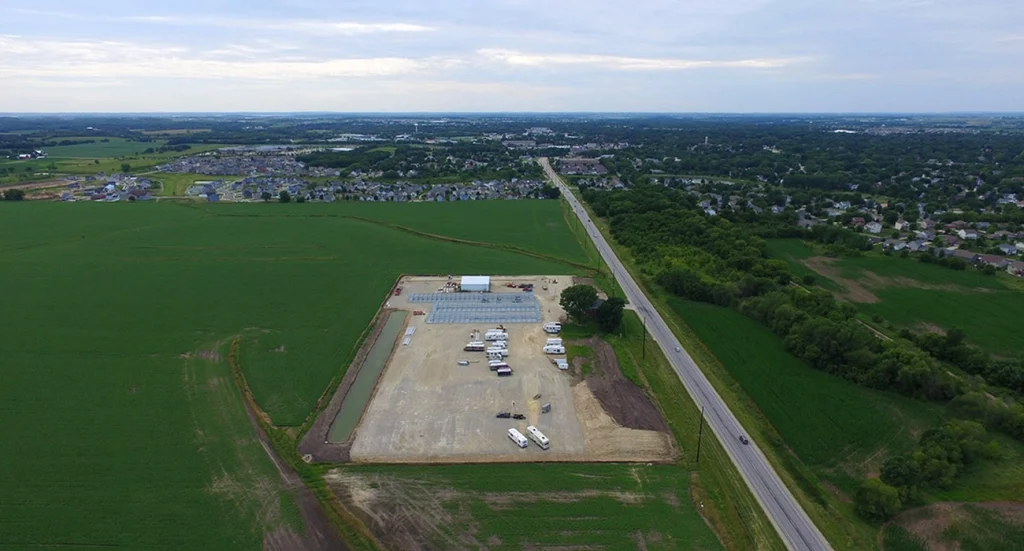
(476, 283)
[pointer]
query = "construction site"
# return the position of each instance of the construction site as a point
(473, 369)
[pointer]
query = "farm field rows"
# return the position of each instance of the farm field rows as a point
(534, 225)
(117, 397)
(919, 296)
(837, 427)
(540, 506)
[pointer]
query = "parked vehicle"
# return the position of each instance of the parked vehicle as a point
(505, 371)
(554, 342)
(495, 336)
(498, 344)
(504, 415)
(553, 349)
(538, 437)
(518, 438)
(498, 352)
(552, 327)
(518, 416)
(474, 347)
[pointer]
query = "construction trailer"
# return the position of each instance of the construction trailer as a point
(553, 349)
(538, 437)
(518, 438)
(476, 284)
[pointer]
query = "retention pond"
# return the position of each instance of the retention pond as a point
(359, 395)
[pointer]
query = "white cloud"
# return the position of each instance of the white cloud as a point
(302, 26)
(317, 28)
(520, 59)
(106, 59)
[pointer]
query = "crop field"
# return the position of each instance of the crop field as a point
(122, 424)
(115, 147)
(828, 422)
(920, 296)
(544, 506)
(534, 225)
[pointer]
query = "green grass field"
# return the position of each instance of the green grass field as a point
(959, 526)
(554, 506)
(122, 425)
(826, 421)
(115, 147)
(925, 296)
(793, 252)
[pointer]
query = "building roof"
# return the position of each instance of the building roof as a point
(476, 280)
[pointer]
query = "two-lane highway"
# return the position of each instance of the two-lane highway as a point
(797, 530)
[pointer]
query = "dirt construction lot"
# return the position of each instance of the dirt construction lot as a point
(427, 408)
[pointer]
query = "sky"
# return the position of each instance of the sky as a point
(512, 55)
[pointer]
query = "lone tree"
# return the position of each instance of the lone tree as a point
(609, 314)
(126, 168)
(284, 196)
(266, 196)
(576, 300)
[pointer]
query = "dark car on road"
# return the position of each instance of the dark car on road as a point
(744, 439)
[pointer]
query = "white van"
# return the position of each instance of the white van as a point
(552, 327)
(517, 437)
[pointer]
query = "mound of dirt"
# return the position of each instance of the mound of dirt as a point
(626, 403)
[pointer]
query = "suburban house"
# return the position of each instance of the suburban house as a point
(1008, 249)
(993, 260)
(873, 227)
(967, 234)
(1015, 267)
(966, 256)
(902, 225)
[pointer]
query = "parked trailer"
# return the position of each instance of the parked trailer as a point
(538, 437)
(502, 352)
(553, 349)
(498, 344)
(498, 365)
(552, 327)
(495, 336)
(494, 356)
(518, 438)
(504, 371)
(474, 347)
(554, 342)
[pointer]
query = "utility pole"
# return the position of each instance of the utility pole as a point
(645, 339)
(700, 432)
